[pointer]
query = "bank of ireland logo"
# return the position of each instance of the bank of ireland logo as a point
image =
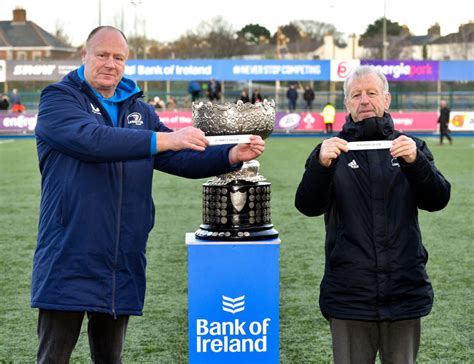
(135, 118)
(233, 305)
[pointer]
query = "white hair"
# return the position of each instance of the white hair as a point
(364, 70)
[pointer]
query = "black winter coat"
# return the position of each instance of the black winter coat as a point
(375, 259)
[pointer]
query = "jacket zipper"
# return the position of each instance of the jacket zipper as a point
(117, 240)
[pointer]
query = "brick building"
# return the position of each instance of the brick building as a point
(24, 40)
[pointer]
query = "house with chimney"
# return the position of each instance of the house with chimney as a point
(24, 40)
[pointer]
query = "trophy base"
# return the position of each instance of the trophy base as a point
(264, 232)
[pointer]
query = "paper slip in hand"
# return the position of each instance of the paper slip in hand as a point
(228, 139)
(373, 144)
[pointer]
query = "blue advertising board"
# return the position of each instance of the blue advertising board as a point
(227, 70)
(233, 301)
(456, 71)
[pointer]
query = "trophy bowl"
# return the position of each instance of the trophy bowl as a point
(237, 205)
(235, 118)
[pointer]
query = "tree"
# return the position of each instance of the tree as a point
(214, 38)
(375, 30)
(317, 30)
(291, 32)
(254, 34)
(60, 33)
(372, 40)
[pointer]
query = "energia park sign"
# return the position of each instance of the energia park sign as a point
(243, 70)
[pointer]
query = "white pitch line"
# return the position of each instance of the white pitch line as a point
(7, 141)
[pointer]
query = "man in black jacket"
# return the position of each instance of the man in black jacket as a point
(369, 182)
(443, 121)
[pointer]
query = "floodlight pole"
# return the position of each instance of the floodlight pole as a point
(384, 32)
(100, 13)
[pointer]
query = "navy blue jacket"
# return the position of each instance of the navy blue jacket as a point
(96, 201)
(375, 259)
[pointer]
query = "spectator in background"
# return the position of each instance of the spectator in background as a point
(194, 89)
(214, 90)
(308, 97)
(244, 97)
(257, 96)
(158, 102)
(18, 107)
(171, 103)
(292, 96)
(4, 102)
(15, 101)
(443, 121)
(15, 97)
(329, 113)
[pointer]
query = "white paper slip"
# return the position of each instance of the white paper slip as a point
(373, 144)
(228, 139)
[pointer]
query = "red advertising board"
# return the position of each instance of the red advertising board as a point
(300, 121)
(176, 119)
(311, 121)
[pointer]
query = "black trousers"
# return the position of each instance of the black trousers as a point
(58, 332)
(397, 342)
(444, 132)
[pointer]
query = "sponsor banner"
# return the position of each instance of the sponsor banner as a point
(39, 70)
(461, 121)
(228, 70)
(3, 66)
(233, 301)
(456, 71)
(415, 120)
(300, 121)
(18, 122)
(341, 69)
(239, 70)
(407, 70)
(313, 122)
(176, 119)
(305, 121)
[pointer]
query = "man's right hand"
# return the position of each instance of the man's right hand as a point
(331, 149)
(186, 138)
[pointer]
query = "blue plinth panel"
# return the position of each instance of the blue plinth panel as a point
(233, 301)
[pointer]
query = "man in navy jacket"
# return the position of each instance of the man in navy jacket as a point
(98, 144)
(375, 287)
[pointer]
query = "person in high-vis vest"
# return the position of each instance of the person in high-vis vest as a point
(329, 113)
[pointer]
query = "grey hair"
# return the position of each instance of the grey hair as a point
(364, 70)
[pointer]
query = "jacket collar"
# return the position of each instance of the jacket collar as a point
(376, 128)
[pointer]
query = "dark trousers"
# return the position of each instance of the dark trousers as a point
(359, 341)
(444, 132)
(58, 332)
(328, 128)
(292, 105)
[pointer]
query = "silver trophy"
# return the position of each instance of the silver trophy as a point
(236, 206)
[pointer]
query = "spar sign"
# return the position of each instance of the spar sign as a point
(233, 301)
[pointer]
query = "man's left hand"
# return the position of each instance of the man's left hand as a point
(248, 151)
(405, 148)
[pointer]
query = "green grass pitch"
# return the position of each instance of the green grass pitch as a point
(160, 336)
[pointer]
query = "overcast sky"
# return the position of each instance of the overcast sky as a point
(167, 20)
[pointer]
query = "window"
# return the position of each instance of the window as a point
(21, 56)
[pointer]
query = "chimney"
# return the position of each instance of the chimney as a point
(19, 15)
(434, 30)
